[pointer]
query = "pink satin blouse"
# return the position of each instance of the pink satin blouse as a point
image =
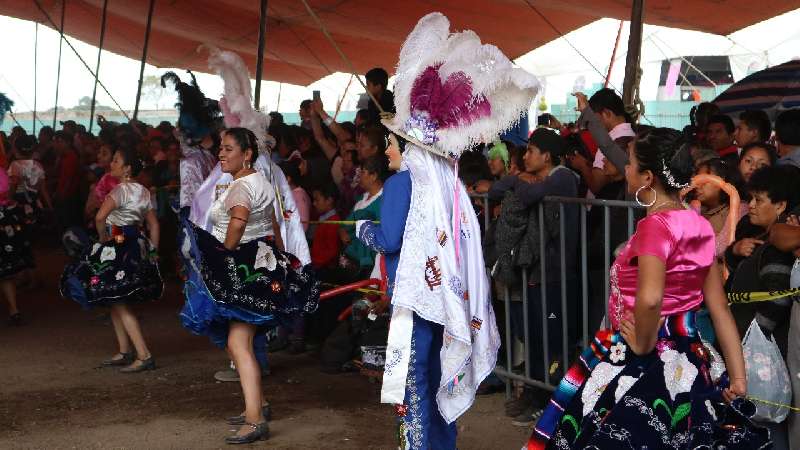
(684, 241)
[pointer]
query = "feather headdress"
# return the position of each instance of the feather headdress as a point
(197, 113)
(5, 106)
(452, 92)
(236, 102)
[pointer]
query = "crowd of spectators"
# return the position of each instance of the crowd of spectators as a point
(336, 171)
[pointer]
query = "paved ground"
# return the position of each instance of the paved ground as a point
(54, 396)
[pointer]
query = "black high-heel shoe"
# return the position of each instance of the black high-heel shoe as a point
(260, 433)
(126, 360)
(146, 364)
(266, 411)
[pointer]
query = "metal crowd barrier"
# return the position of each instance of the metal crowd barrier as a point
(584, 205)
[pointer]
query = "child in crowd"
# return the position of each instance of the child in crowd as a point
(291, 169)
(325, 244)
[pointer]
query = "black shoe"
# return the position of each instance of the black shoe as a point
(126, 360)
(266, 411)
(15, 320)
(146, 364)
(260, 433)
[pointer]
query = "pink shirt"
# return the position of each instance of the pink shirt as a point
(303, 203)
(105, 186)
(684, 241)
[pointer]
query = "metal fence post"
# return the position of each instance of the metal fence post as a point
(584, 277)
(543, 286)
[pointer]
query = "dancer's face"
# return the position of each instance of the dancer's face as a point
(393, 153)
(634, 178)
(118, 168)
(231, 156)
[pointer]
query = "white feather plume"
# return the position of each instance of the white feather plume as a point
(236, 101)
(510, 90)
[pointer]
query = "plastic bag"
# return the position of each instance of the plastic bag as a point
(767, 375)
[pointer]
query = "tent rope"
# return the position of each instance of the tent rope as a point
(328, 36)
(53, 25)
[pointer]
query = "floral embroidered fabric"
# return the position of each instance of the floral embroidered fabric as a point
(668, 399)
(122, 270)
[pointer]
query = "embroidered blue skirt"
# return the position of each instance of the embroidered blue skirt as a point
(122, 270)
(15, 245)
(668, 399)
(28, 202)
(256, 283)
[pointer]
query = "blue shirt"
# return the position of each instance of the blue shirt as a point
(386, 237)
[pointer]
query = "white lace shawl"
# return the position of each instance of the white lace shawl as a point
(430, 283)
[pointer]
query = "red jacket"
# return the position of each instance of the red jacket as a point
(325, 245)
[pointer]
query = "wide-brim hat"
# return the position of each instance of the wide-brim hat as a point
(453, 92)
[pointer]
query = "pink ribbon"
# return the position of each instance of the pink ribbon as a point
(456, 215)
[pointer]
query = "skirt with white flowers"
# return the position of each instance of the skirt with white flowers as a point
(121, 270)
(256, 283)
(668, 399)
(15, 245)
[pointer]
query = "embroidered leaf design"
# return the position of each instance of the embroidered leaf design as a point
(249, 277)
(660, 402)
(97, 267)
(571, 420)
(681, 412)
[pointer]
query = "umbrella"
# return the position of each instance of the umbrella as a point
(773, 90)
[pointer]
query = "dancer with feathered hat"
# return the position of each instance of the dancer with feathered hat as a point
(198, 135)
(451, 93)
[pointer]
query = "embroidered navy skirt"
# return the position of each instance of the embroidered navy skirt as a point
(613, 398)
(256, 283)
(15, 245)
(29, 205)
(122, 270)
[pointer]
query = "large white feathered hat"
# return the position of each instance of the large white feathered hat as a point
(236, 102)
(452, 92)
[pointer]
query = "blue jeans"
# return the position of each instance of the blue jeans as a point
(260, 350)
(423, 426)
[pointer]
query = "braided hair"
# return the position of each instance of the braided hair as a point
(665, 153)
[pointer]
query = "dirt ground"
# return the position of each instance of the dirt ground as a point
(53, 395)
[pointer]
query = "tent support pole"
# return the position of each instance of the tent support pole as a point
(613, 54)
(35, 73)
(144, 57)
(97, 67)
(632, 69)
(262, 32)
(58, 70)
